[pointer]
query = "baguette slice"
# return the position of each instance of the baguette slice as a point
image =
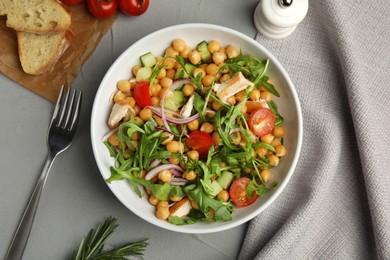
(36, 16)
(38, 53)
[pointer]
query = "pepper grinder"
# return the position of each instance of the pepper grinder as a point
(277, 19)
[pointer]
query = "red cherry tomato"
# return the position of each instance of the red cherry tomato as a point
(141, 94)
(262, 121)
(238, 195)
(102, 8)
(133, 7)
(199, 141)
(72, 2)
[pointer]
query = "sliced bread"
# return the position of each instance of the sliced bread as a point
(37, 16)
(38, 53)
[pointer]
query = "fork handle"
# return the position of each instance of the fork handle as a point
(19, 241)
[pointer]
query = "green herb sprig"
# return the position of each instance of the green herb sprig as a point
(91, 247)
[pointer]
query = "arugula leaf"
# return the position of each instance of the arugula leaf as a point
(274, 108)
(205, 202)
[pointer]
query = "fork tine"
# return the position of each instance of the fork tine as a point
(76, 112)
(58, 105)
(63, 109)
(69, 108)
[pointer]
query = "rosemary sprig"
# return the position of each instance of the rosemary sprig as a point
(91, 247)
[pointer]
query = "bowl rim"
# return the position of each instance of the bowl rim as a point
(232, 223)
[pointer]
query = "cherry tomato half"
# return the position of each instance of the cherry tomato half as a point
(102, 8)
(262, 121)
(141, 94)
(133, 7)
(238, 195)
(199, 141)
(72, 2)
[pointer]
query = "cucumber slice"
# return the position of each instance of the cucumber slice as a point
(143, 74)
(174, 101)
(181, 74)
(225, 179)
(204, 52)
(216, 188)
(148, 60)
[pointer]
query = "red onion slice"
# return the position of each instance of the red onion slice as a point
(152, 173)
(179, 181)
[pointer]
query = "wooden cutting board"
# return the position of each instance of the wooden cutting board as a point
(87, 31)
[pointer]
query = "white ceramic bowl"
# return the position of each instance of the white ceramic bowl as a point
(156, 43)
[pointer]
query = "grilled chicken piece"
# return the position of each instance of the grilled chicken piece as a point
(181, 208)
(187, 108)
(118, 112)
(232, 86)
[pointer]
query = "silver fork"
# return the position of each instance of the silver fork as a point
(61, 131)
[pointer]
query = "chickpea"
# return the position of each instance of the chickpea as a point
(162, 213)
(261, 151)
(128, 101)
(169, 63)
(162, 204)
(174, 160)
(124, 86)
(232, 100)
(240, 95)
(273, 160)
(255, 95)
(153, 200)
(223, 195)
(135, 69)
(173, 146)
(186, 52)
(276, 142)
(165, 176)
(192, 126)
(280, 150)
(216, 105)
(194, 57)
(267, 96)
(278, 131)
(188, 90)
(156, 101)
(135, 136)
(181, 147)
(145, 114)
(179, 45)
(171, 52)
(265, 175)
(189, 175)
(218, 57)
(232, 51)
(268, 138)
(137, 109)
(207, 127)
(176, 198)
(166, 82)
(216, 138)
(119, 96)
(244, 109)
(114, 140)
(155, 89)
(158, 120)
(212, 69)
(170, 73)
(213, 46)
(207, 80)
(224, 78)
(196, 71)
(162, 73)
(193, 154)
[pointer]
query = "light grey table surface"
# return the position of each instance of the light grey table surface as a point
(76, 197)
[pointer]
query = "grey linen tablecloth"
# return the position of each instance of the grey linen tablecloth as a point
(337, 204)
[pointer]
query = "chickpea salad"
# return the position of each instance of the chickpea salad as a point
(196, 131)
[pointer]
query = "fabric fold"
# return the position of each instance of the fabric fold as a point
(337, 204)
